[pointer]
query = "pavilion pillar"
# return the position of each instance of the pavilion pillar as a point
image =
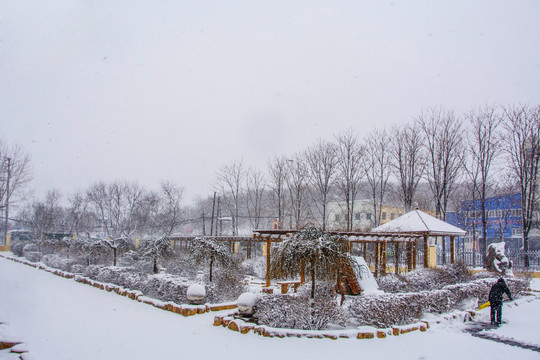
(383, 256)
(409, 255)
(452, 249)
(268, 246)
(396, 257)
(248, 248)
(426, 251)
(365, 251)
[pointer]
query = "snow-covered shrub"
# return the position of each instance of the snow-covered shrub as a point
(17, 248)
(59, 262)
(30, 248)
(298, 312)
(402, 308)
(425, 279)
(228, 284)
(324, 290)
(78, 269)
(254, 267)
(33, 256)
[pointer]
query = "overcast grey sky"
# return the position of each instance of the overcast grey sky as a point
(144, 90)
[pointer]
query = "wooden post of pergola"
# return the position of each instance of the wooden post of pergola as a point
(396, 257)
(409, 256)
(302, 271)
(248, 249)
(365, 251)
(452, 249)
(426, 251)
(383, 255)
(268, 246)
(377, 252)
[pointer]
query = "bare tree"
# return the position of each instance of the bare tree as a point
(522, 144)
(297, 185)
(15, 174)
(349, 162)
(230, 179)
(255, 191)
(445, 147)
(484, 145)
(321, 159)
(278, 172)
(161, 211)
(409, 161)
(377, 169)
(79, 219)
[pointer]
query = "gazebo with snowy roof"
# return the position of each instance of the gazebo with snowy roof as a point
(418, 222)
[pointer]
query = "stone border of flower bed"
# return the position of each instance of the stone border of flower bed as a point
(183, 309)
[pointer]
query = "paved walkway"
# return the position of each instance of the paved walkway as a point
(480, 330)
(61, 319)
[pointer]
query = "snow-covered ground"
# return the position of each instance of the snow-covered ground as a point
(61, 319)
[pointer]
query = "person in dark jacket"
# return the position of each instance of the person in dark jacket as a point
(496, 299)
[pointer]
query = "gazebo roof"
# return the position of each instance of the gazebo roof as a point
(418, 221)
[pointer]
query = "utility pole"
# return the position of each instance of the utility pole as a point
(7, 199)
(203, 224)
(212, 222)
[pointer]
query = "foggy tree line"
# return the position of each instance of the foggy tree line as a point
(435, 161)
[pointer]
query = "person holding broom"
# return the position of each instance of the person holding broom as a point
(496, 300)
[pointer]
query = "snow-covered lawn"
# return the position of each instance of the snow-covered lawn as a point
(61, 319)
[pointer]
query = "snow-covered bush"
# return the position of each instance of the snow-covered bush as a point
(17, 248)
(402, 308)
(227, 285)
(425, 279)
(30, 248)
(59, 262)
(247, 303)
(298, 312)
(254, 267)
(33, 256)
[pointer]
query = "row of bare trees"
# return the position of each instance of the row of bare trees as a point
(453, 157)
(117, 211)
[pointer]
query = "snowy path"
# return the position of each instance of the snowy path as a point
(61, 319)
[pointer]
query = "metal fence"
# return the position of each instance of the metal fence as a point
(474, 258)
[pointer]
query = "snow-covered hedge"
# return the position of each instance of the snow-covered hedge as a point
(402, 308)
(425, 279)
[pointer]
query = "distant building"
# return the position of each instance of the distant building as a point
(503, 221)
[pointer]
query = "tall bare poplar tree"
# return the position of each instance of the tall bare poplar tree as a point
(377, 169)
(444, 147)
(321, 159)
(349, 161)
(408, 158)
(297, 185)
(483, 145)
(522, 140)
(278, 171)
(230, 180)
(255, 187)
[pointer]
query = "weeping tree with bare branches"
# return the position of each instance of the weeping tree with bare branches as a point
(522, 144)
(321, 252)
(212, 252)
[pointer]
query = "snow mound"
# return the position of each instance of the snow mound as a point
(196, 290)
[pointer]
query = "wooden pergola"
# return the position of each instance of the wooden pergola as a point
(379, 240)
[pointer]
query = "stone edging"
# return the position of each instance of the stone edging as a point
(244, 327)
(183, 309)
(15, 346)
